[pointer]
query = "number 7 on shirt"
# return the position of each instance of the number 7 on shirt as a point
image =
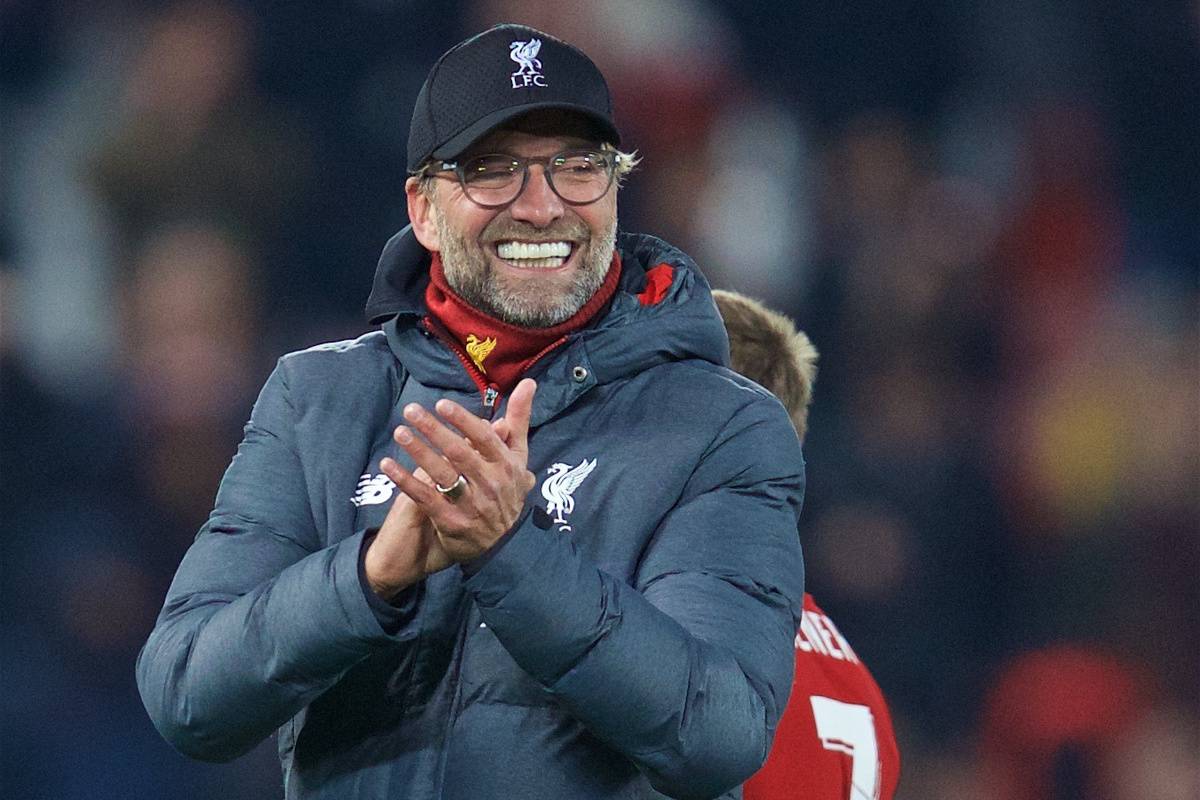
(850, 728)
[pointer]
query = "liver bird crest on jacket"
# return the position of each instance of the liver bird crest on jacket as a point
(478, 349)
(525, 54)
(559, 488)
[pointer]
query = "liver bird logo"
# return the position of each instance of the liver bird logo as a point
(559, 488)
(479, 349)
(525, 54)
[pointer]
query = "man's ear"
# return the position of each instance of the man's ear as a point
(420, 214)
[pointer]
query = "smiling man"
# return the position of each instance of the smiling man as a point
(529, 539)
(539, 262)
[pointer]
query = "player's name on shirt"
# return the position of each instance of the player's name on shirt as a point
(818, 634)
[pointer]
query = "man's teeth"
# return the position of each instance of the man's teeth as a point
(535, 254)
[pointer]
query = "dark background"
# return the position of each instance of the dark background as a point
(986, 216)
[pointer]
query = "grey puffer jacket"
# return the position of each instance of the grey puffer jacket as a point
(632, 636)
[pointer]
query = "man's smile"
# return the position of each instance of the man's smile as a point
(534, 255)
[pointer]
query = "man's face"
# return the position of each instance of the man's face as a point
(531, 292)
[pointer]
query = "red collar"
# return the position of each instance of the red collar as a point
(496, 353)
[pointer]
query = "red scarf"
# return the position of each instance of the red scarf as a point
(496, 353)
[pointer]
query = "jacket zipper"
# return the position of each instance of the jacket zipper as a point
(490, 392)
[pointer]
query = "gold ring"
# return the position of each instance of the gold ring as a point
(454, 490)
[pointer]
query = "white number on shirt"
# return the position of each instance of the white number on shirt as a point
(850, 729)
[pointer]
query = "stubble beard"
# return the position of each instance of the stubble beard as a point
(471, 275)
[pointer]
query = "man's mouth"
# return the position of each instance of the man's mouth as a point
(534, 255)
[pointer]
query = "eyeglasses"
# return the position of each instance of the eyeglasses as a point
(494, 180)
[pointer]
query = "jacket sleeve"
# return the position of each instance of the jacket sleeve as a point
(260, 619)
(688, 671)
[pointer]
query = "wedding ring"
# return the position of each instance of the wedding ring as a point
(454, 490)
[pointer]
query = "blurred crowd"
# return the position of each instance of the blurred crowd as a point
(986, 216)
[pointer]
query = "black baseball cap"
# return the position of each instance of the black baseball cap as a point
(495, 76)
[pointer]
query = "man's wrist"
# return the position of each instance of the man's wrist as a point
(393, 611)
(376, 567)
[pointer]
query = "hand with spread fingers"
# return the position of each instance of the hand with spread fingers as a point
(470, 484)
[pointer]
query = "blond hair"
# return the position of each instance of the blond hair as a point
(766, 347)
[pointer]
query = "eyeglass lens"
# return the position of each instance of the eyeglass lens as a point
(577, 176)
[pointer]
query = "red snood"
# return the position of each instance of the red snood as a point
(495, 352)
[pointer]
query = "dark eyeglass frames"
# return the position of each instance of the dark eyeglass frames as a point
(494, 180)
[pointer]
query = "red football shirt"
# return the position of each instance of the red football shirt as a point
(835, 740)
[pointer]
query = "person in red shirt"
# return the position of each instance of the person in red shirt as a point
(835, 740)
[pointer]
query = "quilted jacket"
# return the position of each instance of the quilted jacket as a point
(631, 637)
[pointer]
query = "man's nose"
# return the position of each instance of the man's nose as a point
(537, 203)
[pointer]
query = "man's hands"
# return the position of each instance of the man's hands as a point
(426, 531)
(405, 550)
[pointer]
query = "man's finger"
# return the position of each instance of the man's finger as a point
(478, 432)
(459, 452)
(503, 430)
(404, 506)
(427, 498)
(428, 461)
(520, 408)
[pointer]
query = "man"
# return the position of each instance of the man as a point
(437, 578)
(835, 741)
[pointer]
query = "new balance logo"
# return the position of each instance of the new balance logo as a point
(373, 490)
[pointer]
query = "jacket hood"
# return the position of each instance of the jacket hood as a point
(662, 311)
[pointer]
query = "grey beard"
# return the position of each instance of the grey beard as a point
(469, 273)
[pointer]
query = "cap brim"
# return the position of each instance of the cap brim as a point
(468, 136)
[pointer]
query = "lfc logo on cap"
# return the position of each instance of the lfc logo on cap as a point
(529, 70)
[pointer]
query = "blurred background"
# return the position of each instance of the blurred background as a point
(986, 216)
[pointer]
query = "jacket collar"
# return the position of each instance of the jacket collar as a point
(662, 311)
(400, 279)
